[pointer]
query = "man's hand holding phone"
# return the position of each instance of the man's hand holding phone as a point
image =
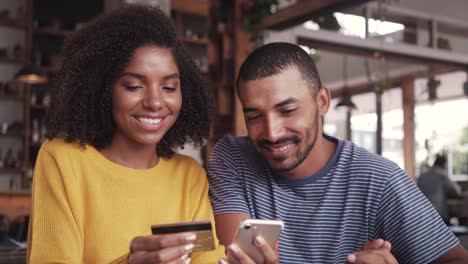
(237, 256)
(256, 241)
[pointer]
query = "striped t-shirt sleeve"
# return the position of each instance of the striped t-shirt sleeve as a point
(226, 191)
(406, 218)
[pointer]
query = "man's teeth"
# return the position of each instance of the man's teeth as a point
(151, 121)
(280, 148)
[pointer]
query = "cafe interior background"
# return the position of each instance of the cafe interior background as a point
(397, 71)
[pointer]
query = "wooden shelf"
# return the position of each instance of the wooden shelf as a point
(194, 7)
(11, 24)
(35, 146)
(10, 171)
(52, 32)
(15, 192)
(200, 41)
(12, 61)
(39, 107)
(10, 98)
(50, 69)
(11, 135)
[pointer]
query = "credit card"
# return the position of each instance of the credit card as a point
(202, 229)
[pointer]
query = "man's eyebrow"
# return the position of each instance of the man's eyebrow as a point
(249, 109)
(278, 105)
(290, 100)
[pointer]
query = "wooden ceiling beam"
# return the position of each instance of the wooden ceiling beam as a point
(301, 12)
(395, 82)
(375, 53)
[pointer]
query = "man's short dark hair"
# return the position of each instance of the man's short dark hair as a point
(276, 57)
(81, 107)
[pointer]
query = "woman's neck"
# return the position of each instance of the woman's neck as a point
(131, 155)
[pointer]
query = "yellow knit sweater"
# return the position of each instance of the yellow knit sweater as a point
(87, 209)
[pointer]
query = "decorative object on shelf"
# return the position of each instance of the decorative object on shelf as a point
(3, 53)
(9, 161)
(2, 88)
(43, 131)
(18, 51)
(5, 15)
(31, 75)
(46, 99)
(4, 128)
(253, 13)
(19, 158)
(35, 135)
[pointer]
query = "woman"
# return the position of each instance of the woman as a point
(126, 96)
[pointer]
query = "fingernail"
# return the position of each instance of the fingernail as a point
(189, 247)
(259, 240)
(351, 258)
(190, 238)
(387, 244)
(186, 259)
(222, 261)
(234, 248)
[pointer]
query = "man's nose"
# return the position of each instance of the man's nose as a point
(273, 129)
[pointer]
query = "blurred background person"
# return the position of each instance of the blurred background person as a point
(437, 186)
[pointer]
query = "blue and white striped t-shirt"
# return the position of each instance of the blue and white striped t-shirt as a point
(357, 197)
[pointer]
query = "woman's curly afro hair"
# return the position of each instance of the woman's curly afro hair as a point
(81, 106)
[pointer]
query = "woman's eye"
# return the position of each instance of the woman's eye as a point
(169, 89)
(132, 87)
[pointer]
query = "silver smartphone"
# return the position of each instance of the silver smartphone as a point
(270, 230)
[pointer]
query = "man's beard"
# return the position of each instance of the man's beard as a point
(311, 134)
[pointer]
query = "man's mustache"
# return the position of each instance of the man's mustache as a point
(283, 140)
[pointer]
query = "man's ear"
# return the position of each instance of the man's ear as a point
(323, 100)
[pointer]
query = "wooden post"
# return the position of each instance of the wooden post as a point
(242, 47)
(407, 87)
(378, 112)
(348, 123)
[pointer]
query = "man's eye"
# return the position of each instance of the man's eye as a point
(288, 111)
(252, 117)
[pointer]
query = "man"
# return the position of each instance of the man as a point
(437, 186)
(332, 195)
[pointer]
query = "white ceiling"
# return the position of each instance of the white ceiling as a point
(330, 64)
(456, 9)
